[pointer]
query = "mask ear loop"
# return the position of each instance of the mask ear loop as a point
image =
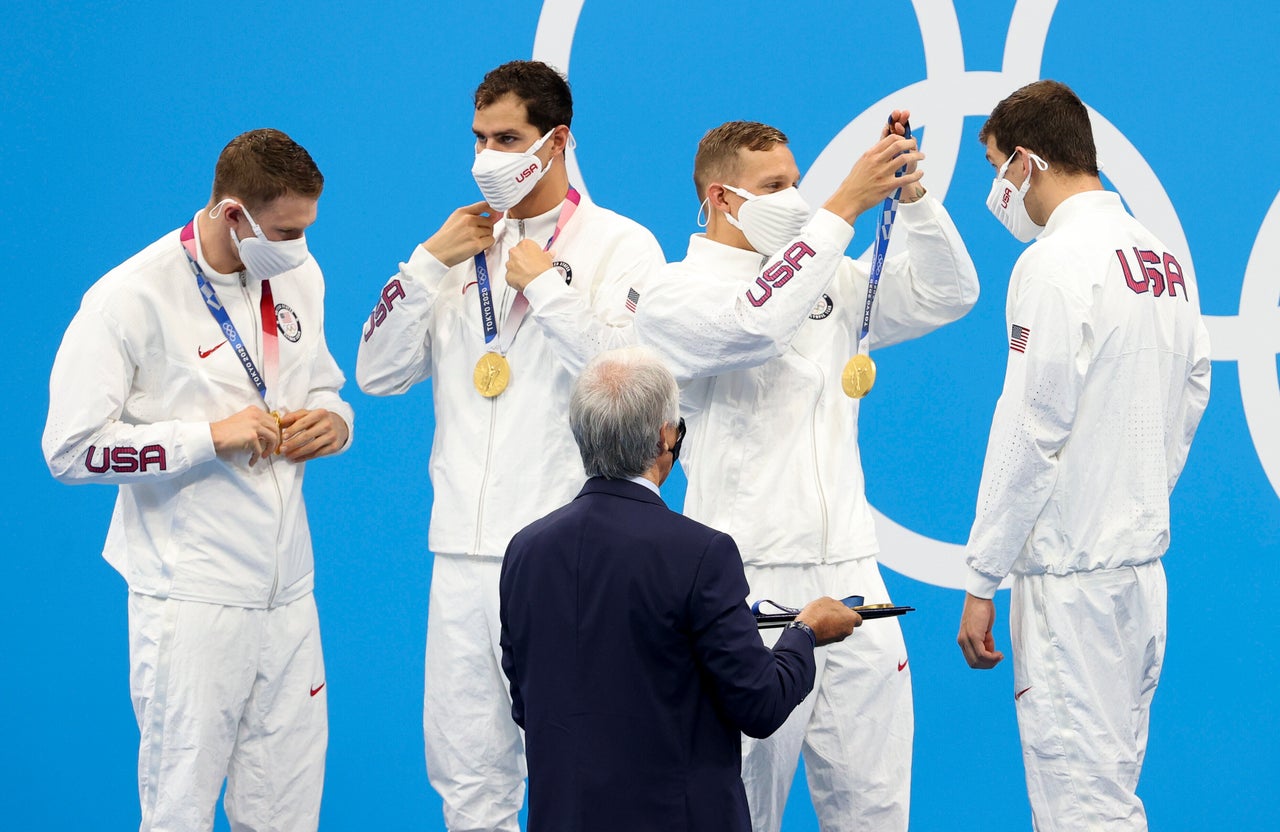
(704, 216)
(216, 210)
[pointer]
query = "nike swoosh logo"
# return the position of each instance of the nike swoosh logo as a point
(902, 665)
(314, 691)
(1018, 695)
(206, 354)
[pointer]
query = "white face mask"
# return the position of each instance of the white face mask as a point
(264, 259)
(1007, 204)
(506, 178)
(770, 221)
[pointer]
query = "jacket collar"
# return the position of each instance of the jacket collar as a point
(721, 258)
(539, 228)
(620, 488)
(1080, 204)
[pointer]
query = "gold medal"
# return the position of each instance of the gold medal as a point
(859, 376)
(275, 414)
(492, 374)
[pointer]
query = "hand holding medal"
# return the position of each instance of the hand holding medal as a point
(859, 374)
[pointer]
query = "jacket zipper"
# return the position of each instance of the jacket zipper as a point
(257, 349)
(493, 426)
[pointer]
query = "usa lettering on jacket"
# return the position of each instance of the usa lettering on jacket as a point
(123, 459)
(1155, 272)
(390, 293)
(776, 275)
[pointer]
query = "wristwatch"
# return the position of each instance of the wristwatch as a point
(800, 625)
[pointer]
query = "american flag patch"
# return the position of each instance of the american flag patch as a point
(633, 297)
(1018, 336)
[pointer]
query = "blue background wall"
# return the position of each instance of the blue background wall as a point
(112, 114)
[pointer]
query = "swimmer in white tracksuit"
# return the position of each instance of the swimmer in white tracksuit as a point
(503, 454)
(759, 320)
(1107, 378)
(196, 378)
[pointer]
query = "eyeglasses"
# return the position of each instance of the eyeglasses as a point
(675, 449)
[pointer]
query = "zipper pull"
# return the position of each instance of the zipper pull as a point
(521, 226)
(244, 281)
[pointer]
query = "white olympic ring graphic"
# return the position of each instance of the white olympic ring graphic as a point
(949, 93)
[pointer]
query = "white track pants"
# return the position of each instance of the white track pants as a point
(1087, 653)
(855, 729)
(228, 692)
(475, 752)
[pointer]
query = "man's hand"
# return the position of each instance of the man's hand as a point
(465, 234)
(898, 120)
(312, 433)
(831, 620)
(526, 261)
(252, 429)
(975, 638)
(872, 177)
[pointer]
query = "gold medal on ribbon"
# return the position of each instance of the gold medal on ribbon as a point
(859, 376)
(492, 374)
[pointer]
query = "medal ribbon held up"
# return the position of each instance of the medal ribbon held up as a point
(860, 372)
(493, 372)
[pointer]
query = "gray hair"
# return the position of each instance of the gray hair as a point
(619, 404)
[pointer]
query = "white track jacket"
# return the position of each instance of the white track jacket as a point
(1108, 376)
(142, 371)
(499, 464)
(772, 456)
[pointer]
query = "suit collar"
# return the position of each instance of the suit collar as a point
(620, 488)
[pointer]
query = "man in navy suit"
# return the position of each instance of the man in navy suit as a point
(633, 659)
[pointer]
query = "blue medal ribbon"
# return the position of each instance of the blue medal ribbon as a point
(487, 316)
(219, 312)
(888, 212)
(484, 286)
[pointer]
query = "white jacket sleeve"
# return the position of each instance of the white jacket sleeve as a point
(85, 439)
(395, 347)
(581, 325)
(326, 382)
(1193, 403)
(1032, 422)
(931, 283)
(706, 325)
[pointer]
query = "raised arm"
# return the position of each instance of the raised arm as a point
(931, 282)
(395, 346)
(706, 324)
(581, 325)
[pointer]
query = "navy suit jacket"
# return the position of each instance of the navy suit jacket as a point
(634, 663)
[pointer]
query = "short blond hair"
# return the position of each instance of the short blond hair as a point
(717, 159)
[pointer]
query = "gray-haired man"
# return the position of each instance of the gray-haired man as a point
(633, 659)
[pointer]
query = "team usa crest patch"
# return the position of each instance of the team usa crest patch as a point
(565, 271)
(822, 308)
(1018, 336)
(287, 323)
